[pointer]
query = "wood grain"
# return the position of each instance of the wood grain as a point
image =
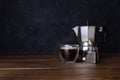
(49, 67)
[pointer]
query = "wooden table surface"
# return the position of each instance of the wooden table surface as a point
(49, 67)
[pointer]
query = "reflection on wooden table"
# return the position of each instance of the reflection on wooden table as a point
(49, 67)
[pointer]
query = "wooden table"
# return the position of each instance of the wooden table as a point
(49, 67)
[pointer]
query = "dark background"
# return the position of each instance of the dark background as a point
(39, 26)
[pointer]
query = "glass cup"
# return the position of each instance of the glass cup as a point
(69, 53)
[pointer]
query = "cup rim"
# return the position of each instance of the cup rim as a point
(69, 45)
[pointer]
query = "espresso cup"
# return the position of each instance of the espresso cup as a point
(69, 53)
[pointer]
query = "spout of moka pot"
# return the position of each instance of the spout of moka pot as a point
(75, 29)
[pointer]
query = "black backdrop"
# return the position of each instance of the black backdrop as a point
(39, 26)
